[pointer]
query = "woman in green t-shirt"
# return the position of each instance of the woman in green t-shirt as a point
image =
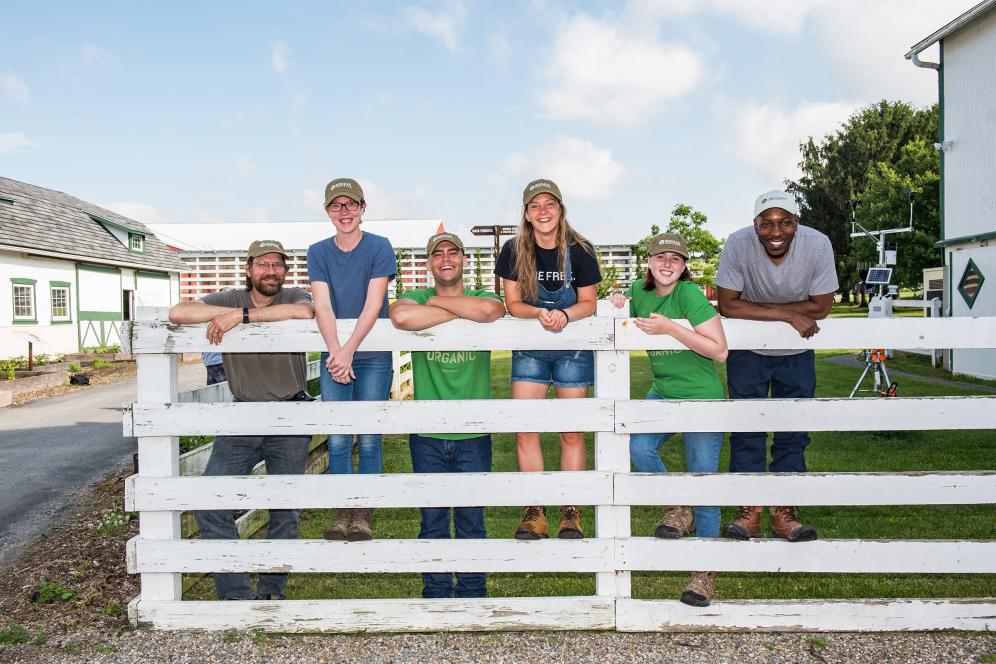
(665, 294)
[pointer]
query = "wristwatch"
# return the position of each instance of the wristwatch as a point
(245, 314)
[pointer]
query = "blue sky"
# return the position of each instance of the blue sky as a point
(227, 111)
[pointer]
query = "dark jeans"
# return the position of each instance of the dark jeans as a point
(216, 374)
(236, 455)
(751, 376)
(435, 455)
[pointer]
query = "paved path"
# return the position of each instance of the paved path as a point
(51, 448)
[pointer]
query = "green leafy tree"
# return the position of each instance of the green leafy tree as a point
(610, 280)
(885, 205)
(837, 167)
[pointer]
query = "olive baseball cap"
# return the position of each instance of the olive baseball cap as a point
(263, 247)
(537, 187)
(434, 241)
(776, 198)
(668, 242)
(343, 187)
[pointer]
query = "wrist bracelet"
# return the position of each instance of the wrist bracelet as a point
(565, 315)
(245, 314)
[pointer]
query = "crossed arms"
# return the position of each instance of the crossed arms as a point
(800, 315)
(409, 315)
(221, 319)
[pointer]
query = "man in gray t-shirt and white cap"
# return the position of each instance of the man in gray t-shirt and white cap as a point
(775, 270)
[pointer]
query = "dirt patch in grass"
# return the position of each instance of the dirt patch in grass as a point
(72, 585)
(109, 374)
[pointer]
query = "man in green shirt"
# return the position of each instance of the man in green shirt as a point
(448, 374)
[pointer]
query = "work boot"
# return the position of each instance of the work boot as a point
(784, 524)
(700, 590)
(677, 522)
(570, 523)
(533, 526)
(359, 527)
(746, 525)
(337, 531)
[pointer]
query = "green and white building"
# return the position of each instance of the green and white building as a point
(71, 272)
(966, 74)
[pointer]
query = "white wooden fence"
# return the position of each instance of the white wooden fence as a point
(159, 494)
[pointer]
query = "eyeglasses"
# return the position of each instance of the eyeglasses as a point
(276, 267)
(352, 206)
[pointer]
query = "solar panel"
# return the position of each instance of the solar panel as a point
(879, 276)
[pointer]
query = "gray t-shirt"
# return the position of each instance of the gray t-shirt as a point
(262, 376)
(808, 269)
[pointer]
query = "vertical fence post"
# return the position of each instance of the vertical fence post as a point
(612, 453)
(158, 456)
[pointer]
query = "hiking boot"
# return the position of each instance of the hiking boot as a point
(359, 527)
(746, 525)
(570, 523)
(784, 524)
(700, 590)
(337, 531)
(677, 522)
(533, 526)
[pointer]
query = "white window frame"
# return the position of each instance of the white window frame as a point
(68, 316)
(32, 295)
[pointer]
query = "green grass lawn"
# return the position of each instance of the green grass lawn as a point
(873, 451)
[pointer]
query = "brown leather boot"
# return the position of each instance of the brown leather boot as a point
(337, 531)
(784, 524)
(359, 527)
(700, 590)
(533, 525)
(677, 522)
(570, 523)
(747, 524)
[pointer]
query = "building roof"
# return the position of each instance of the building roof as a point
(299, 235)
(976, 12)
(57, 224)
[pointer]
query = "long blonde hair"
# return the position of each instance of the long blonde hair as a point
(525, 252)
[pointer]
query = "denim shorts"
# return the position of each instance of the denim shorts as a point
(560, 368)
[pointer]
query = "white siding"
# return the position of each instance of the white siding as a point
(970, 173)
(970, 125)
(59, 338)
(152, 291)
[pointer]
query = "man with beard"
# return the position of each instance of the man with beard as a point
(449, 375)
(255, 377)
(775, 270)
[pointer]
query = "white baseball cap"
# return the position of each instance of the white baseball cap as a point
(776, 198)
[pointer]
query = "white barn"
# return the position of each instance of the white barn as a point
(71, 272)
(967, 93)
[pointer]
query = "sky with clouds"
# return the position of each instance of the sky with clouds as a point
(224, 111)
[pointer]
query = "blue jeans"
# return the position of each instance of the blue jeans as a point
(560, 368)
(751, 376)
(374, 372)
(435, 455)
(237, 455)
(702, 455)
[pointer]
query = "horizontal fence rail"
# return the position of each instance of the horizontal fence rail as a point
(611, 552)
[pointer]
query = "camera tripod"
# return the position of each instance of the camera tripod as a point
(875, 364)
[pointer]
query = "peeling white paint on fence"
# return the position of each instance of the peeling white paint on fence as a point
(611, 553)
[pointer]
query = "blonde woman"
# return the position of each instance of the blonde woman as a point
(549, 272)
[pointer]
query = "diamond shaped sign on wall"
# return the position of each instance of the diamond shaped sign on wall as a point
(971, 283)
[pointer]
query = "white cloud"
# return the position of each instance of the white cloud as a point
(242, 166)
(766, 136)
(499, 51)
(16, 142)
(256, 216)
(445, 24)
(863, 44)
(278, 58)
(142, 212)
(313, 199)
(601, 71)
(14, 87)
(582, 170)
(92, 55)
